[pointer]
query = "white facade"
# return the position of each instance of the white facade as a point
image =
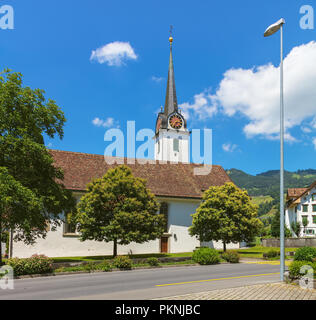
(59, 244)
(303, 208)
(172, 145)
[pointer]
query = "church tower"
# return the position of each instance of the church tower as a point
(172, 136)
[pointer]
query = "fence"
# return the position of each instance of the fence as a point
(290, 242)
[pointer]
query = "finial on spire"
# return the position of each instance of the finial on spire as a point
(171, 38)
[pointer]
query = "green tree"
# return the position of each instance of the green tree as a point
(118, 207)
(275, 227)
(227, 214)
(26, 165)
(296, 227)
(305, 223)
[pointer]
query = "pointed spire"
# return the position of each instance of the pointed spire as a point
(171, 103)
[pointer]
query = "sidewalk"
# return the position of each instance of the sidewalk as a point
(271, 291)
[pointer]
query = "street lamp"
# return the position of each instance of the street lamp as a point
(271, 30)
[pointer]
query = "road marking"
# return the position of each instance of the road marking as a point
(208, 280)
(273, 263)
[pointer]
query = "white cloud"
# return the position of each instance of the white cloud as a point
(314, 143)
(228, 147)
(203, 106)
(255, 94)
(114, 53)
(157, 79)
(306, 129)
(107, 123)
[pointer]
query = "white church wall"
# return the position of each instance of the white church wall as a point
(180, 220)
(58, 245)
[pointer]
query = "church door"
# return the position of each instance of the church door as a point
(164, 244)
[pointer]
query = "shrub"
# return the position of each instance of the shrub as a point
(154, 262)
(123, 262)
(206, 256)
(231, 256)
(37, 264)
(295, 267)
(271, 254)
(104, 266)
(89, 266)
(305, 254)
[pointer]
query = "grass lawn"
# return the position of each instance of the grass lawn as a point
(256, 252)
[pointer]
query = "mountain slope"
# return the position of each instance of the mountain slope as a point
(268, 183)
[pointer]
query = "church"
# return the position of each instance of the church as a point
(171, 178)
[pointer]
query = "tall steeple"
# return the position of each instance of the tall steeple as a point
(171, 103)
(172, 136)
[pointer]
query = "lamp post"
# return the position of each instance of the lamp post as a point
(271, 30)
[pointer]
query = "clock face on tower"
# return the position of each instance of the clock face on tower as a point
(176, 122)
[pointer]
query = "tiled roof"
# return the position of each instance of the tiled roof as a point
(170, 180)
(295, 192)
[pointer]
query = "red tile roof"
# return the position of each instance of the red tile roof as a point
(295, 192)
(171, 180)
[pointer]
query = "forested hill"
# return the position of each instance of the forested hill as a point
(268, 183)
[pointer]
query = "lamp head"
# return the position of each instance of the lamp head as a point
(274, 28)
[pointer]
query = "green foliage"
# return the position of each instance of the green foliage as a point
(227, 214)
(265, 207)
(31, 190)
(104, 266)
(119, 208)
(37, 264)
(272, 253)
(231, 256)
(296, 227)
(206, 256)
(275, 227)
(295, 268)
(305, 254)
(123, 263)
(268, 183)
(154, 262)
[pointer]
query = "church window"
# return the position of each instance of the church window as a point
(176, 145)
(164, 212)
(69, 228)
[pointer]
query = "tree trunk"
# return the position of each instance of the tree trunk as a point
(115, 248)
(11, 243)
(224, 245)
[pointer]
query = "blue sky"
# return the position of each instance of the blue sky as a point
(52, 43)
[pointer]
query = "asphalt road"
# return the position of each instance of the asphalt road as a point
(141, 284)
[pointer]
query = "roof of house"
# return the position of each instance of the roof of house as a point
(294, 194)
(163, 179)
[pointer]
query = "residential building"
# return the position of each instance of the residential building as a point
(301, 207)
